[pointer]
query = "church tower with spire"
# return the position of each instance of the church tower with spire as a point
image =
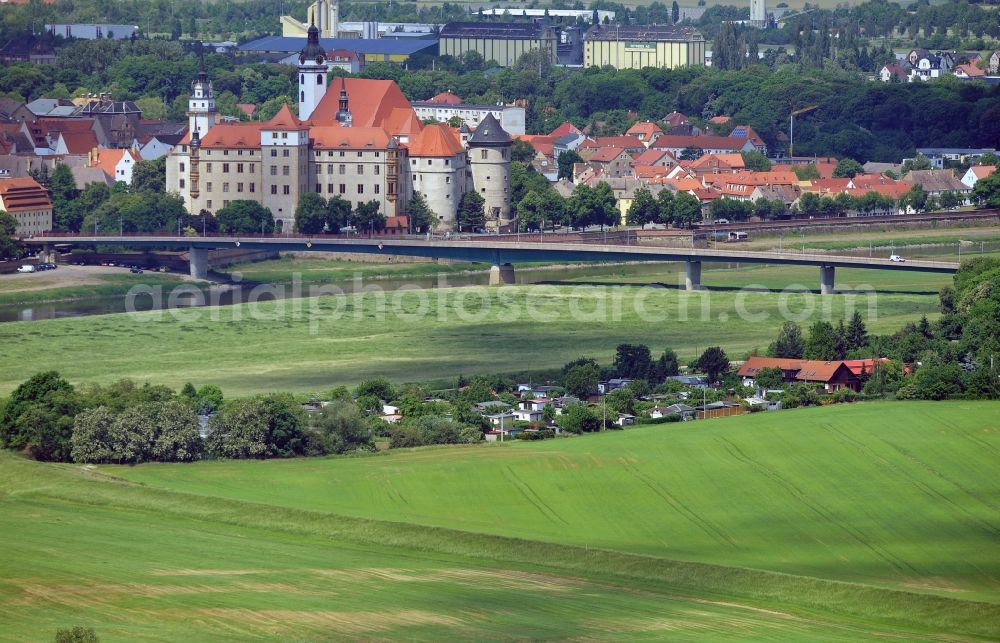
(312, 73)
(202, 114)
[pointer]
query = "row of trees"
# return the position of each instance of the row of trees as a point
(314, 215)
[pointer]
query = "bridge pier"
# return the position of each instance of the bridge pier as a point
(692, 279)
(47, 255)
(826, 274)
(199, 262)
(502, 275)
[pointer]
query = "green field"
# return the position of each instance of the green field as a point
(309, 345)
(580, 538)
(324, 270)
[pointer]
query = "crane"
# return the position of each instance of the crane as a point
(791, 127)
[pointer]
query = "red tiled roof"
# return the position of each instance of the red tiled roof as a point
(330, 137)
(284, 120)
(247, 108)
(373, 103)
(653, 156)
(564, 129)
(230, 135)
(983, 171)
(618, 141)
(79, 142)
(435, 140)
(607, 154)
(19, 195)
(645, 128)
(446, 98)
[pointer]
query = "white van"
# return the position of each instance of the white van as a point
(26, 268)
(896, 259)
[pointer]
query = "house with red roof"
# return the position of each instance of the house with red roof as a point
(29, 203)
(831, 376)
(976, 173)
(646, 132)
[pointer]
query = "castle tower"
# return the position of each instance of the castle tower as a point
(344, 111)
(312, 73)
(202, 114)
(489, 159)
(758, 13)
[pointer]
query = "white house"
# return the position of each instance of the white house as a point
(977, 172)
(116, 163)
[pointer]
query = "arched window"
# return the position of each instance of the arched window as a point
(319, 79)
(302, 96)
(302, 78)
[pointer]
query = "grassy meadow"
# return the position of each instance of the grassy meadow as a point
(899, 495)
(590, 537)
(311, 344)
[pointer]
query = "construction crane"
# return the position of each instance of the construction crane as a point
(791, 127)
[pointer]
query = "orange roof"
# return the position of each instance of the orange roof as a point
(720, 120)
(893, 190)
(829, 185)
(543, 144)
(653, 156)
(646, 128)
(247, 108)
(649, 171)
(607, 154)
(983, 171)
(760, 178)
(755, 364)
(857, 365)
(970, 70)
(107, 160)
(871, 180)
(436, 140)
(231, 135)
(330, 137)
(284, 120)
(564, 129)
(446, 98)
(23, 194)
(686, 184)
(372, 104)
(816, 371)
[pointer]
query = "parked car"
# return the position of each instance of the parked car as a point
(896, 259)
(26, 268)
(50, 266)
(135, 270)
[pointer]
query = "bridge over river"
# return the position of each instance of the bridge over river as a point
(501, 254)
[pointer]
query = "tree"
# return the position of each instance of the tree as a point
(521, 151)
(950, 199)
(582, 380)
(177, 436)
(540, 208)
(847, 168)
(644, 208)
(367, 216)
(916, 197)
(342, 428)
(667, 366)
(38, 417)
(62, 185)
(379, 388)
(91, 439)
(471, 212)
(714, 363)
(246, 217)
(686, 209)
(338, 213)
(920, 162)
(9, 249)
(806, 172)
(258, 428)
(602, 207)
(152, 107)
(789, 343)
(579, 418)
(565, 162)
(310, 214)
(175, 29)
(150, 176)
(421, 217)
(756, 162)
(691, 154)
(986, 193)
(769, 378)
(621, 400)
(823, 343)
(675, 12)
(633, 361)
(856, 335)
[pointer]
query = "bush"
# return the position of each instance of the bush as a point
(404, 437)
(76, 635)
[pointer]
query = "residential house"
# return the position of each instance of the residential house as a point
(504, 419)
(492, 406)
(746, 132)
(683, 410)
(787, 194)
(832, 376)
(560, 403)
(43, 106)
(12, 111)
(117, 164)
(349, 61)
(624, 419)
(968, 71)
(545, 391)
(29, 203)
(893, 72)
(612, 162)
(527, 415)
(647, 132)
(717, 164)
(993, 66)
(536, 404)
(977, 172)
(937, 182)
(924, 65)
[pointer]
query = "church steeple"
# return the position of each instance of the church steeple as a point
(312, 72)
(202, 114)
(344, 111)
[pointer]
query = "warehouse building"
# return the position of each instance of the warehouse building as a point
(503, 42)
(635, 47)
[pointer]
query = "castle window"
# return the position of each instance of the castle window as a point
(239, 187)
(208, 186)
(482, 154)
(319, 79)
(361, 188)
(285, 189)
(361, 169)
(274, 170)
(377, 170)
(343, 169)
(274, 152)
(182, 184)
(377, 190)
(239, 167)
(302, 78)
(225, 168)
(319, 188)
(225, 187)
(274, 189)
(253, 168)
(302, 97)
(343, 189)
(181, 167)
(253, 187)
(285, 170)
(329, 188)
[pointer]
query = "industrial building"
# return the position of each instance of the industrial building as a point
(635, 47)
(370, 51)
(503, 42)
